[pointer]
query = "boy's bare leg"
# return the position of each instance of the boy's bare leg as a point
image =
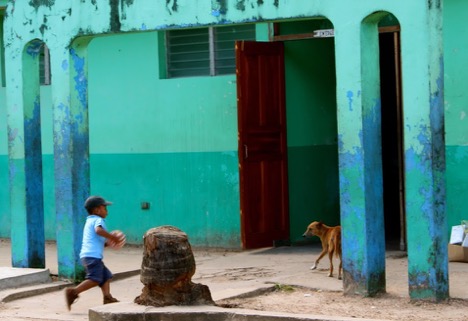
(71, 294)
(105, 288)
(108, 298)
(85, 285)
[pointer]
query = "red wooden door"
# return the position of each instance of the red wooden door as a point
(262, 143)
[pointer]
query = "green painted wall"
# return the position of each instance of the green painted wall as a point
(151, 140)
(312, 128)
(48, 167)
(158, 141)
(186, 127)
(127, 94)
(180, 120)
(456, 108)
(4, 188)
(169, 142)
(197, 192)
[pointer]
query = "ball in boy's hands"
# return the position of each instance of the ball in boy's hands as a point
(117, 245)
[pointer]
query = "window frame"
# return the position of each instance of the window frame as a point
(212, 52)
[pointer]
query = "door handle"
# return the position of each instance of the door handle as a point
(246, 151)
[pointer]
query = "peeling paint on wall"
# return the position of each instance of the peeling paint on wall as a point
(349, 94)
(43, 28)
(34, 203)
(68, 14)
(62, 136)
(219, 7)
(171, 6)
(114, 18)
(81, 81)
(436, 3)
(33, 49)
(240, 5)
(12, 135)
(65, 65)
(437, 120)
(37, 3)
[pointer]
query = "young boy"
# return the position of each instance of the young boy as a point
(92, 248)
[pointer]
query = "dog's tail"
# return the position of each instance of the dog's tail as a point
(337, 244)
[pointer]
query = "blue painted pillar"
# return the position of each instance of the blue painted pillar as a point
(25, 162)
(360, 158)
(71, 152)
(425, 159)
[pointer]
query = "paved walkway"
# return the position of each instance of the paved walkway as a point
(226, 273)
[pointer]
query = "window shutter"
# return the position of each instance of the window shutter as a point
(187, 53)
(225, 55)
(44, 65)
(204, 51)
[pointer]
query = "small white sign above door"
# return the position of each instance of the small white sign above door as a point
(324, 33)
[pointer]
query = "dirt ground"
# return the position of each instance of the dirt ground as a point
(300, 301)
(386, 307)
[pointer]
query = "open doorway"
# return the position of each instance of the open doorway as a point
(262, 143)
(392, 139)
(311, 124)
(312, 151)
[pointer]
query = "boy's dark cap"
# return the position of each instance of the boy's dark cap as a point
(95, 201)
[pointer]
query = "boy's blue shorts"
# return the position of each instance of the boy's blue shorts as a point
(96, 270)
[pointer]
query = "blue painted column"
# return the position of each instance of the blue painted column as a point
(360, 158)
(71, 153)
(425, 159)
(25, 161)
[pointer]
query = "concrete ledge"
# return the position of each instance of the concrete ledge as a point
(20, 283)
(26, 292)
(135, 312)
(18, 277)
(125, 274)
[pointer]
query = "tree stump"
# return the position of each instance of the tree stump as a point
(167, 269)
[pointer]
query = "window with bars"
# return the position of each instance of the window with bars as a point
(44, 59)
(44, 66)
(204, 51)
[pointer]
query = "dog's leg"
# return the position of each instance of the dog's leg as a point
(322, 254)
(330, 256)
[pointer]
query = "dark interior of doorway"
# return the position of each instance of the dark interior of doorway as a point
(392, 141)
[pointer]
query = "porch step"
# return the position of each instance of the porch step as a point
(19, 277)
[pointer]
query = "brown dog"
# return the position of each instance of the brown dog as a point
(331, 243)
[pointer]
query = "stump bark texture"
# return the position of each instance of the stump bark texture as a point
(167, 269)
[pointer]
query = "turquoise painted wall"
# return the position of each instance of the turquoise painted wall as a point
(312, 129)
(183, 127)
(48, 167)
(456, 108)
(166, 149)
(169, 142)
(197, 192)
(151, 140)
(107, 99)
(4, 188)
